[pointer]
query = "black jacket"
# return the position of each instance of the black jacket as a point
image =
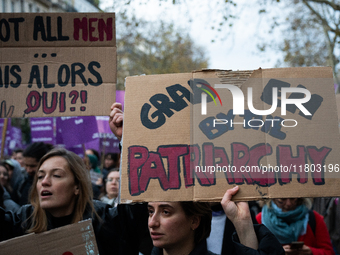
(122, 230)
(20, 195)
(229, 228)
(200, 249)
(267, 245)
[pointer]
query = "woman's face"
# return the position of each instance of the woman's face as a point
(169, 227)
(3, 175)
(286, 204)
(108, 162)
(112, 184)
(20, 158)
(31, 165)
(56, 187)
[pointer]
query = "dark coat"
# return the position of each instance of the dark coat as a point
(229, 228)
(200, 249)
(267, 243)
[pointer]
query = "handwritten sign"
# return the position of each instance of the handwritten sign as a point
(273, 132)
(72, 239)
(57, 64)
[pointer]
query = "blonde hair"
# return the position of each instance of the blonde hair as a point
(38, 218)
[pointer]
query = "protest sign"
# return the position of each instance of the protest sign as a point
(57, 64)
(191, 136)
(42, 130)
(76, 239)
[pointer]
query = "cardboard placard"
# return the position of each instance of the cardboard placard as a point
(75, 239)
(267, 143)
(57, 64)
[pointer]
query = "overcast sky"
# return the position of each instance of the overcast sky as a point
(237, 52)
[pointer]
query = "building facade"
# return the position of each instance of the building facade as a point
(9, 6)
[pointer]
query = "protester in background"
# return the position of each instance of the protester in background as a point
(32, 154)
(111, 191)
(2, 197)
(4, 182)
(95, 175)
(62, 195)
(111, 160)
(7, 202)
(19, 156)
(329, 208)
(93, 152)
(15, 176)
(291, 220)
(94, 163)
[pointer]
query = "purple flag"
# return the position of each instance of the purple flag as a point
(103, 124)
(77, 130)
(78, 149)
(94, 144)
(120, 97)
(42, 130)
(108, 141)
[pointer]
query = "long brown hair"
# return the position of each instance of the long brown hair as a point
(82, 179)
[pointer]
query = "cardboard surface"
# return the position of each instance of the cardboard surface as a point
(57, 64)
(75, 239)
(165, 117)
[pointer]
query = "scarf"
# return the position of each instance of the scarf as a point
(286, 226)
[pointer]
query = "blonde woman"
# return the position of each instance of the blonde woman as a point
(62, 195)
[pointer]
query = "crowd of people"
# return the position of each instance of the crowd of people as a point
(43, 188)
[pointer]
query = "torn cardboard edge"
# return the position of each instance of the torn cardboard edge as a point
(77, 238)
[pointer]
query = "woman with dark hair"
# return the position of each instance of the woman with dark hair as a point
(179, 227)
(183, 227)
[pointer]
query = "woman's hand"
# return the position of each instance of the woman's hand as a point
(116, 120)
(239, 214)
(236, 212)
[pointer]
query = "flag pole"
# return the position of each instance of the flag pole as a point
(3, 139)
